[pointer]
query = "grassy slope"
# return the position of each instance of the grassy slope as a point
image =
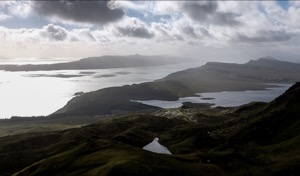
(257, 139)
(19, 125)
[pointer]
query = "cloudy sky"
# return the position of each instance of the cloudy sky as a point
(205, 30)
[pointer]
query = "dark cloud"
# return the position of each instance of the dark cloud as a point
(205, 32)
(266, 36)
(195, 33)
(225, 19)
(83, 11)
(139, 32)
(200, 11)
(190, 31)
(55, 33)
(206, 12)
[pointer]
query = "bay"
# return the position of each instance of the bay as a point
(225, 98)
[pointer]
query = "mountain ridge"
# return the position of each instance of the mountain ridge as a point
(274, 63)
(102, 62)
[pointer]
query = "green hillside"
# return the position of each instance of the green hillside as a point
(254, 139)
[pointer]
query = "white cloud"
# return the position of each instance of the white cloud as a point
(83, 34)
(133, 27)
(20, 9)
(294, 3)
(166, 8)
(134, 5)
(54, 33)
(4, 16)
(294, 14)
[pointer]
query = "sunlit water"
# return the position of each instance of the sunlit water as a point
(43, 92)
(226, 98)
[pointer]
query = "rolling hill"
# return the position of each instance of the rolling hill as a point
(254, 139)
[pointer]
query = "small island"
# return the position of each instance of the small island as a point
(78, 93)
(207, 98)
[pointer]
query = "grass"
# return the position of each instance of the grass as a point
(256, 139)
(29, 128)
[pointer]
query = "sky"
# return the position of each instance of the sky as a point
(228, 31)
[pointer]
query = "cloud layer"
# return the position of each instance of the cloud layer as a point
(202, 29)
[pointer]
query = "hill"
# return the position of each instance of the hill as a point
(212, 77)
(254, 139)
(103, 62)
(216, 76)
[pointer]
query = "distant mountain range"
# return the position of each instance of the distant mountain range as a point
(102, 62)
(211, 77)
(216, 76)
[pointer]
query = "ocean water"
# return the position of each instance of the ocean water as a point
(226, 98)
(43, 92)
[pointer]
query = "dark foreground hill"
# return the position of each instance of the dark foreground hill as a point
(212, 77)
(103, 62)
(254, 139)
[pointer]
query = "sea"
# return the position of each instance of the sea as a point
(40, 93)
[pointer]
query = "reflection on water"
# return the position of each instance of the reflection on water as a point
(28, 94)
(226, 98)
